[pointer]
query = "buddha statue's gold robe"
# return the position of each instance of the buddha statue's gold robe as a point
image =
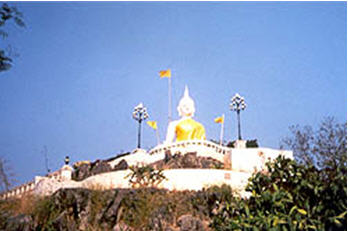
(188, 129)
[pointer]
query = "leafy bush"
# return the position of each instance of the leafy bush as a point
(289, 197)
(252, 144)
(145, 176)
(249, 144)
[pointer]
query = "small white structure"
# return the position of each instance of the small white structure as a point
(240, 144)
(66, 172)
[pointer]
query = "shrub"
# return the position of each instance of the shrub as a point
(145, 176)
(249, 144)
(289, 197)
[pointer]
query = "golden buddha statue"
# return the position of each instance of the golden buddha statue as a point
(185, 128)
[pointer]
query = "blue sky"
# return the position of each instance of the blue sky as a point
(83, 66)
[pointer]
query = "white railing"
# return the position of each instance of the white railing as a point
(18, 191)
(201, 147)
(178, 146)
(27, 188)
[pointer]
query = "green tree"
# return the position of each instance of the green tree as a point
(307, 194)
(8, 14)
(290, 196)
(326, 146)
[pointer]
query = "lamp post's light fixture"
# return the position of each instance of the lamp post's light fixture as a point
(238, 104)
(67, 160)
(140, 114)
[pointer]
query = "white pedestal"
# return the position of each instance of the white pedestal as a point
(240, 144)
(66, 172)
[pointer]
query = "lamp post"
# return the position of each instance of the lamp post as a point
(140, 114)
(67, 160)
(237, 104)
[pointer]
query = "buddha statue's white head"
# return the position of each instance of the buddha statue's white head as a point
(186, 107)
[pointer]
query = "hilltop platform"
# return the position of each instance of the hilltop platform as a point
(238, 165)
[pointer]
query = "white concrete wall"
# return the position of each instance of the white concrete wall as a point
(108, 180)
(254, 159)
(176, 179)
(197, 179)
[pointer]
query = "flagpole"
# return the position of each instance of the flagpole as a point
(222, 129)
(169, 99)
(157, 135)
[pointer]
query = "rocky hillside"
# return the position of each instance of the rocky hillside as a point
(289, 196)
(144, 208)
(121, 209)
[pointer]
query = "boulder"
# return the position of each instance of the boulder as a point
(81, 172)
(63, 223)
(190, 223)
(99, 167)
(110, 213)
(122, 227)
(21, 222)
(89, 169)
(188, 160)
(122, 165)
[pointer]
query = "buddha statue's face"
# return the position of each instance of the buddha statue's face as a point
(186, 108)
(186, 105)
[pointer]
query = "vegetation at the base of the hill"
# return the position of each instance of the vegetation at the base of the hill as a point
(289, 196)
(120, 209)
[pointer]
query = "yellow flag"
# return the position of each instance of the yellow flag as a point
(219, 119)
(165, 73)
(152, 124)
